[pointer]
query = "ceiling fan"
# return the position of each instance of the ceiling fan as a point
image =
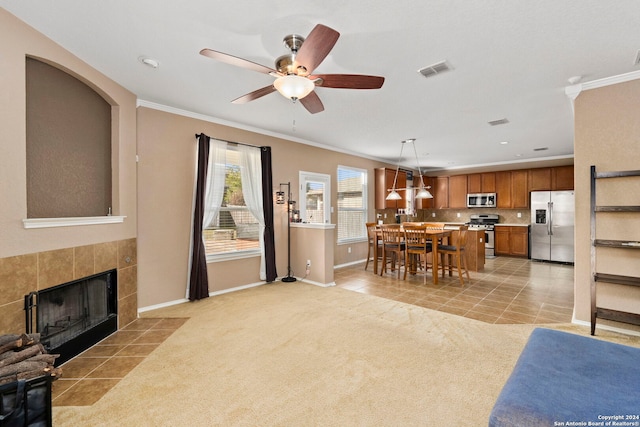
(293, 71)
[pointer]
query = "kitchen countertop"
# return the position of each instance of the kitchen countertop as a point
(506, 224)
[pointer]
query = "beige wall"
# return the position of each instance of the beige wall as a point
(167, 150)
(29, 256)
(607, 127)
(13, 205)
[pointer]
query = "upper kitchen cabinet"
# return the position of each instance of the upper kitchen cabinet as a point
(550, 179)
(429, 184)
(503, 189)
(458, 191)
(441, 192)
(519, 189)
(540, 179)
(481, 182)
(562, 178)
(384, 181)
(512, 190)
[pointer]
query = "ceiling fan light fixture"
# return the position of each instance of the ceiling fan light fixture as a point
(293, 87)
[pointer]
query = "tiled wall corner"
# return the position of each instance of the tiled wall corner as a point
(127, 310)
(127, 253)
(127, 281)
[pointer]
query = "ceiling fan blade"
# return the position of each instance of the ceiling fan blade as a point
(238, 62)
(348, 81)
(312, 103)
(315, 48)
(254, 95)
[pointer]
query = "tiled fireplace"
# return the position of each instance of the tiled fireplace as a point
(23, 274)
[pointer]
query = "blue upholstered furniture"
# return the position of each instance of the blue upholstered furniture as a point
(562, 378)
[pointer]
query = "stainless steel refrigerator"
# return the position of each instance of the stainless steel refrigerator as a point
(552, 225)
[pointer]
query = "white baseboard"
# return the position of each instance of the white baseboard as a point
(607, 328)
(350, 263)
(323, 285)
(211, 294)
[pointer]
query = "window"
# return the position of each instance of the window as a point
(234, 229)
(315, 201)
(352, 204)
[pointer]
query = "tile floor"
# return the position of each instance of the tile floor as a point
(508, 290)
(88, 376)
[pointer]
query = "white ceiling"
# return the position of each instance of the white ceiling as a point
(511, 59)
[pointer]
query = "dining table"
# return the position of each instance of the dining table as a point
(435, 234)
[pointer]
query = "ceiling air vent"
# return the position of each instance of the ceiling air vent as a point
(433, 69)
(541, 149)
(498, 122)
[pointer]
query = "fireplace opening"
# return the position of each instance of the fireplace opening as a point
(73, 316)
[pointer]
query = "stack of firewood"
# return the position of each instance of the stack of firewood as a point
(22, 357)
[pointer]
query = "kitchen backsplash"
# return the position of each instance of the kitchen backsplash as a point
(507, 216)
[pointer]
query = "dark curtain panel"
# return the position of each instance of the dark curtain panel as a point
(198, 279)
(267, 201)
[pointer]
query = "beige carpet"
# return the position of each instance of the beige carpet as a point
(300, 355)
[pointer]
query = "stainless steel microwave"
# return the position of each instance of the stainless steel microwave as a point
(481, 200)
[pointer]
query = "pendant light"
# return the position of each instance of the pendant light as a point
(393, 195)
(423, 193)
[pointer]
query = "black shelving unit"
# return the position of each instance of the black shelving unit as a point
(596, 311)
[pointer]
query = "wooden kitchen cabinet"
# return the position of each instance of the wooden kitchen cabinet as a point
(511, 240)
(384, 181)
(474, 183)
(481, 182)
(540, 179)
(441, 192)
(551, 179)
(562, 178)
(429, 184)
(503, 190)
(458, 191)
(519, 189)
(519, 240)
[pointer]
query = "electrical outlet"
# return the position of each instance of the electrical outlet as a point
(433, 214)
(519, 215)
(458, 215)
(349, 249)
(308, 263)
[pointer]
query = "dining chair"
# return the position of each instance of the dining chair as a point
(392, 247)
(417, 246)
(455, 251)
(374, 245)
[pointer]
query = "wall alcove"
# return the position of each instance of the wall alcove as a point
(69, 156)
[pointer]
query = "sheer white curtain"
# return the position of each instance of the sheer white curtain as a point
(216, 172)
(251, 174)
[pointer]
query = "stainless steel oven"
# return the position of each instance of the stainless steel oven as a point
(489, 245)
(485, 222)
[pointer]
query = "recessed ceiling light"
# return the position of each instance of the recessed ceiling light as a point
(518, 155)
(504, 142)
(150, 62)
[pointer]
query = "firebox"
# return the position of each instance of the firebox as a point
(73, 316)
